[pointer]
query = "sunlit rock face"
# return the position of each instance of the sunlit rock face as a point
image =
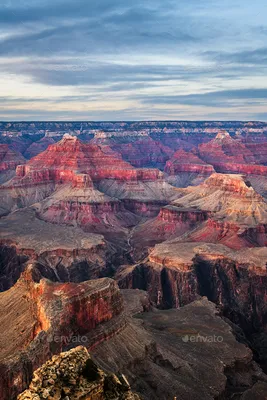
(223, 209)
(227, 154)
(229, 197)
(50, 317)
(82, 166)
(236, 212)
(70, 154)
(63, 161)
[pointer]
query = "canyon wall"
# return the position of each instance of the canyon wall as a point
(59, 316)
(176, 273)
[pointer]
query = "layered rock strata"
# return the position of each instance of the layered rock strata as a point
(48, 318)
(171, 222)
(229, 197)
(175, 273)
(59, 253)
(228, 155)
(71, 162)
(141, 152)
(183, 161)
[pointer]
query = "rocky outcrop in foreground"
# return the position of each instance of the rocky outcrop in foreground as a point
(74, 375)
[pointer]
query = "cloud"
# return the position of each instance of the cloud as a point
(81, 71)
(251, 57)
(119, 77)
(150, 54)
(213, 99)
(79, 27)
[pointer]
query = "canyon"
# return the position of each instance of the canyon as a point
(138, 241)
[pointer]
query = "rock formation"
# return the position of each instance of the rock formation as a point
(71, 162)
(9, 159)
(18, 143)
(175, 273)
(238, 214)
(144, 198)
(186, 353)
(229, 155)
(259, 151)
(75, 375)
(70, 154)
(171, 222)
(139, 151)
(48, 318)
(186, 168)
(192, 348)
(183, 161)
(230, 234)
(80, 204)
(224, 209)
(229, 197)
(60, 253)
(225, 149)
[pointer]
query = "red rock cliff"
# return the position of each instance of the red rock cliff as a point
(182, 161)
(59, 316)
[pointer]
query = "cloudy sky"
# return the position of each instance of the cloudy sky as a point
(133, 60)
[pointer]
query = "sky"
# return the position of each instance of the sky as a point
(133, 60)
